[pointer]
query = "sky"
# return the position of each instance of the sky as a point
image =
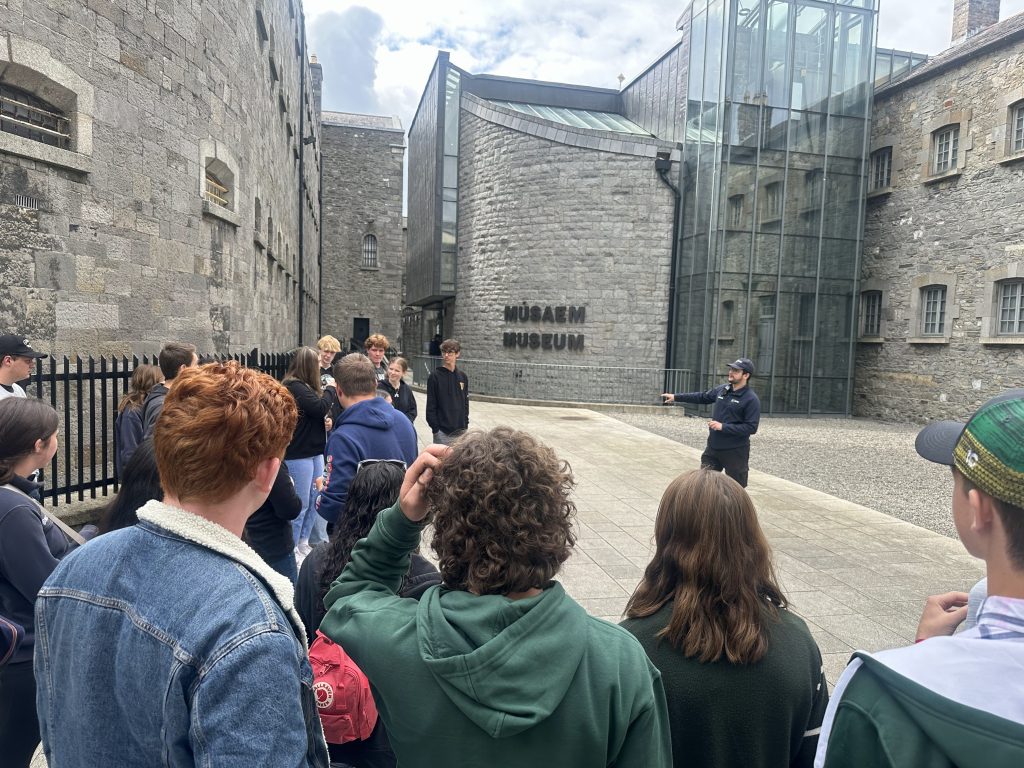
(377, 54)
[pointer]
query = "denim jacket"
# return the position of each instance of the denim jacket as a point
(171, 643)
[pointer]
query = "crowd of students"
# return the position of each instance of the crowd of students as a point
(170, 640)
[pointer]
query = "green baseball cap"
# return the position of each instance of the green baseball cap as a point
(988, 450)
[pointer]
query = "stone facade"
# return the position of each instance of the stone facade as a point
(961, 229)
(551, 216)
(362, 183)
(110, 243)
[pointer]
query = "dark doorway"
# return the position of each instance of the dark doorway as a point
(360, 330)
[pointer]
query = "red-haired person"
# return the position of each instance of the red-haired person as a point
(376, 346)
(171, 642)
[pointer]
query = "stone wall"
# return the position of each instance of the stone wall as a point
(362, 184)
(965, 228)
(108, 245)
(552, 217)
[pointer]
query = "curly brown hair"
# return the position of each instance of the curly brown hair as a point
(501, 512)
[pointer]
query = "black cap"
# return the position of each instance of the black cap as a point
(17, 346)
(743, 364)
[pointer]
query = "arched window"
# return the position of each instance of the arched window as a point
(370, 251)
(24, 114)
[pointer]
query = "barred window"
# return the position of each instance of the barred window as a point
(933, 307)
(945, 143)
(1011, 307)
(871, 313)
(773, 200)
(23, 114)
(881, 168)
(1017, 127)
(736, 210)
(216, 192)
(370, 251)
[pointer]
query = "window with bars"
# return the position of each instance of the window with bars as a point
(23, 114)
(945, 144)
(1017, 127)
(736, 211)
(1011, 307)
(871, 313)
(933, 309)
(773, 200)
(881, 168)
(370, 251)
(215, 192)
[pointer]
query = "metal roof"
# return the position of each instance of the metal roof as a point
(578, 118)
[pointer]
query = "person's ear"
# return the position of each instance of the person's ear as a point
(983, 511)
(266, 474)
(40, 446)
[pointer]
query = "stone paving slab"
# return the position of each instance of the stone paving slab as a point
(858, 577)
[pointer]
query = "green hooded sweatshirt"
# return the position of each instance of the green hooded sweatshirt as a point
(470, 680)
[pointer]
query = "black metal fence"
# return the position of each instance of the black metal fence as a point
(85, 393)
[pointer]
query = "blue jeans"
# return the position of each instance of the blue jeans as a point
(303, 472)
(286, 567)
(318, 532)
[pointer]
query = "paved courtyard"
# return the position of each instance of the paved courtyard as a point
(857, 576)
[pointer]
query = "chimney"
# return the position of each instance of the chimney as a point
(972, 16)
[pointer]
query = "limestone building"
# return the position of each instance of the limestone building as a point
(159, 175)
(941, 321)
(363, 236)
(710, 208)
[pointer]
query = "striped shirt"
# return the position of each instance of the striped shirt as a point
(999, 618)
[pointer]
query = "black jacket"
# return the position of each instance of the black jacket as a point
(269, 529)
(151, 407)
(448, 401)
(309, 437)
(739, 412)
(401, 397)
(30, 547)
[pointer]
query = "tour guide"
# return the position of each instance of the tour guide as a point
(734, 419)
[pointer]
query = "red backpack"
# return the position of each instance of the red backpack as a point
(347, 710)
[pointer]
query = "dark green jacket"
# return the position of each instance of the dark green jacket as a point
(484, 681)
(885, 719)
(761, 715)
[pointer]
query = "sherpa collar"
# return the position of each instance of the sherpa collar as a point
(208, 534)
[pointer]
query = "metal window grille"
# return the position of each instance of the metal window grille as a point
(24, 201)
(934, 310)
(1018, 128)
(881, 168)
(370, 251)
(23, 114)
(216, 192)
(1011, 307)
(735, 210)
(946, 145)
(871, 312)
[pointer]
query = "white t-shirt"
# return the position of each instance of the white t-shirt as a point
(13, 391)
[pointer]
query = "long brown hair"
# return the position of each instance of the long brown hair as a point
(305, 367)
(144, 378)
(23, 421)
(713, 563)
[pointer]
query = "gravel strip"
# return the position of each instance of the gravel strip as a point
(867, 462)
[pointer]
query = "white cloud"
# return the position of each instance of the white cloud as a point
(586, 42)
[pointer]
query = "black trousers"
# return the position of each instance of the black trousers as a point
(735, 462)
(19, 728)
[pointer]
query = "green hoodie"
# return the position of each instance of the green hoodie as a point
(469, 680)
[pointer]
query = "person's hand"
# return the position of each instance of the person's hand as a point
(328, 423)
(942, 615)
(318, 483)
(668, 397)
(417, 477)
(715, 425)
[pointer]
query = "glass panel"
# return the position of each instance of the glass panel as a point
(810, 58)
(741, 124)
(846, 137)
(746, 51)
(1018, 129)
(713, 59)
(850, 62)
(776, 55)
(698, 32)
(807, 133)
(451, 171)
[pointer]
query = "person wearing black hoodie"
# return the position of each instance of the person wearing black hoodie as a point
(269, 530)
(173, 357)
(448, 396)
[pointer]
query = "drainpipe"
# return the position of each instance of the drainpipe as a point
(663, 164)
(303, 63)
